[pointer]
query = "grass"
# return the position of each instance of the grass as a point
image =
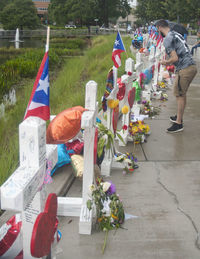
(66, 90)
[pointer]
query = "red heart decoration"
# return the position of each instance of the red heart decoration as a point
(44, 228)
(131, 97)
(115, 117)
(122, 90)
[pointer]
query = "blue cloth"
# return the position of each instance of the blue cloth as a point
(63, 157)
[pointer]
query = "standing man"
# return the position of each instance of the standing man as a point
(180, 56)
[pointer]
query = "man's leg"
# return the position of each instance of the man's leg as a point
(181, 103)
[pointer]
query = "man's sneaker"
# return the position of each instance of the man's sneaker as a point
(175, 128)
(174, 118)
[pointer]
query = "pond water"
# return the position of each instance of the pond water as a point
(27, 43)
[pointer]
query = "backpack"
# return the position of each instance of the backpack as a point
(178, 28)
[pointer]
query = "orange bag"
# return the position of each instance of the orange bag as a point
(65, 126)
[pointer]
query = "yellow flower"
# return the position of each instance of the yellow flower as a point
(113, 103)
(147, 129)
(114, 217)
(100, 219)
(134, 130)
(125, 109)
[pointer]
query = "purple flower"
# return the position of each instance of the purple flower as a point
(112, 189)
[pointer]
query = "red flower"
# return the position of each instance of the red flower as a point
(125, 127)
(130, 73)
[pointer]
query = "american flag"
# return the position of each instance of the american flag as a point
(117, 50)
(38, 105)
(159, 39)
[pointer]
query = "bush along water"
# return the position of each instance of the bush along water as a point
(26, 62)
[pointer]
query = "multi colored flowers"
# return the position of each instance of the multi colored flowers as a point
(148, 109)
(129, 161)
(138, 130)
(109, 208)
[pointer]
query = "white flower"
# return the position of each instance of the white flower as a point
(92, 188)
(106, 186)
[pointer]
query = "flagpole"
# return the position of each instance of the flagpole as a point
(47, 41)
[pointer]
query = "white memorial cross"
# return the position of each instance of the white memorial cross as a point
(108, 156)
(155, 77)
(24, 190)
(146, 94)
(128, 81)
(108, 161)
(75, 206)
(162, 57)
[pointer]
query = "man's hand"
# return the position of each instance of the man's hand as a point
(163, 62)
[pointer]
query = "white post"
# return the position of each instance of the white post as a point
(47, 40)
(128, 81)
(155, 77)
(139, 64)
(107, 161)
(88, 124)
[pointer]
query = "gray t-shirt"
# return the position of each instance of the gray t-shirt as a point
(175, 41)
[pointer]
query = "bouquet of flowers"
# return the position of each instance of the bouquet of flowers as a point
(148, 109)
(129, 160)
(109, 208)
(138, 130)
(164, 97)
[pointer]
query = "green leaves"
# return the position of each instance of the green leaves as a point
(19, 14)
(106, 139)
(174, 10)
(89, 204)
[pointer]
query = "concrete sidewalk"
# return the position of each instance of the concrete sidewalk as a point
(163, 192)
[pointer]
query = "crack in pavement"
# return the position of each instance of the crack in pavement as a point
(197, 241)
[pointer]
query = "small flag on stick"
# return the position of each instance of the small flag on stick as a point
(38, 105)
(117, 50)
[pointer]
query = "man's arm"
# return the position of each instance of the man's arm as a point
(173, 58)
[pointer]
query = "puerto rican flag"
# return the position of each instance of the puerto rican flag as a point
(38, 105)
(117, 50)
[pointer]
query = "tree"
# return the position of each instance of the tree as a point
(148, 10)
(85, 11)
(182, 11)
(57, 12)
(19, 14)
(3, 3)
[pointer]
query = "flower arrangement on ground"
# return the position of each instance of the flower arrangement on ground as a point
(148, 109)
(109, 208)
(161, 85)
(129, 160)
(138, 130)
(164, 97)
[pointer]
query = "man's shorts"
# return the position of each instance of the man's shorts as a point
(183, 79)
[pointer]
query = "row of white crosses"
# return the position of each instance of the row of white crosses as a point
(108, 162)
(24, 190)
(142, 62)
